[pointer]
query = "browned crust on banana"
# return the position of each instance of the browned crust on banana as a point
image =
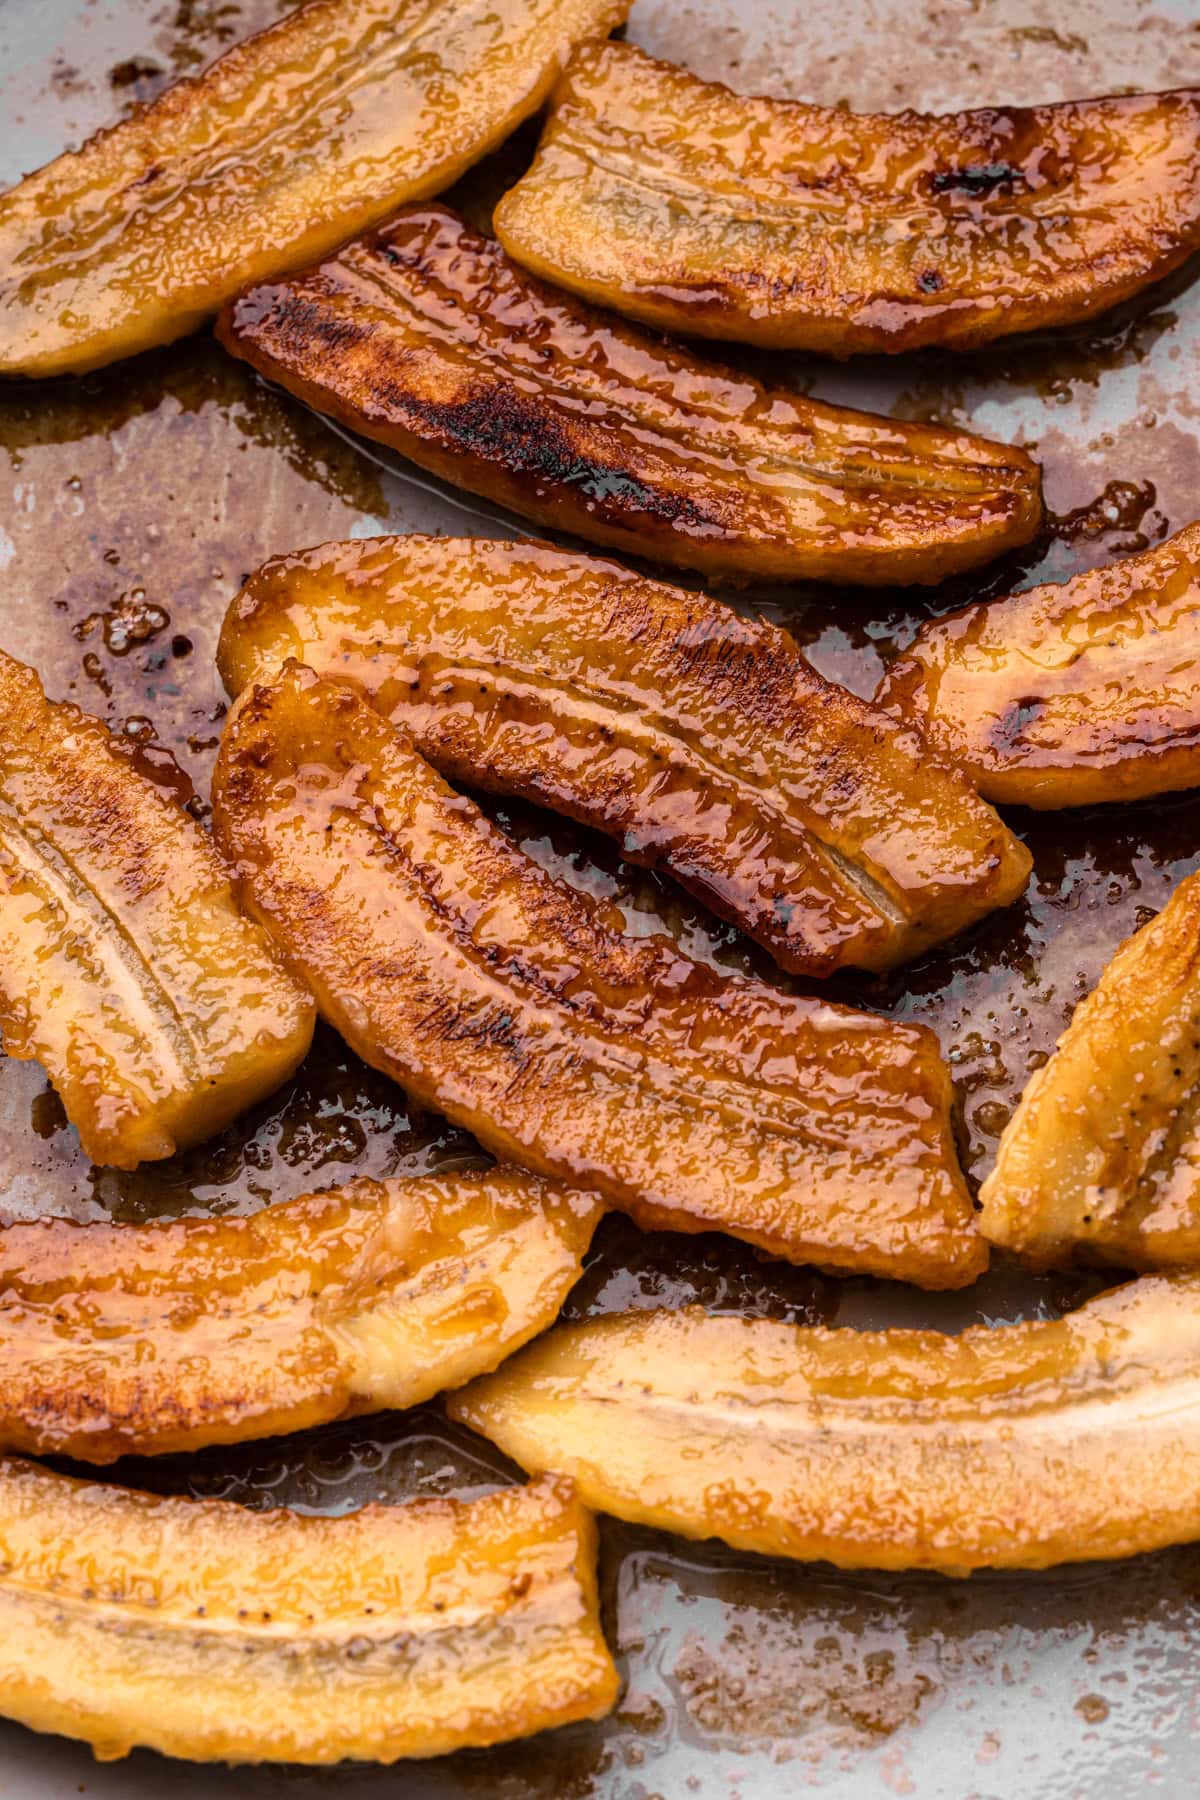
(427, 338)
(700, 210)
(1070, 694)
(447, 958)
(703, 742)
(121, 1339)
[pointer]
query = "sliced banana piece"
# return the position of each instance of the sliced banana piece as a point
(718, 214)
(292, 141)
(204, 1630)
(507, 1000)
(130, 1339)
(703, 742)
(158, 1011)
(1012, 1446)
(1101, 1160)
(426, 337)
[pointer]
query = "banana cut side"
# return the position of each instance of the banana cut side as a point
(704, 743)
(292, 141)
(717, 214)
(157, 1009)
(426, 337)
(1011, 1446)
(1101, 1160)
(206, 1631)
(136, 1339)
(1071, 694)
(516, 1006)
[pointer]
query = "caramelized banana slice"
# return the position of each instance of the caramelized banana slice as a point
(126, 969)
(428, 339)
(1069, 694)
(1102, 1156)
(292, 141)
(123, 1339)
(704, 743)
(1012, 1446)
(207, 1631)
(449, 960)
(778, 223)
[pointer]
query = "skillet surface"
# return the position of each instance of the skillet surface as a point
(131, 505)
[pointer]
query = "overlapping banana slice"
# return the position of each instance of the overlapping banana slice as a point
(511, 1003)
(704, 743)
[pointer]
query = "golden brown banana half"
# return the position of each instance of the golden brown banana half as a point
(703, 742)
(292, 141)
(204, 1630)
(716, 214)
(514, 1005)
(121, 1339)
(427, 338)
(1070, 694)
(126, 969)
(1101, 1160)
(1011, 1446)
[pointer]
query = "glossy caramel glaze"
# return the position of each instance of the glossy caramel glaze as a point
(207, 1631)
(293, 140)
(1010, 1446)
(427, 338)
(1077, 692)
(448, 959)
(1102, 1156)
(122, 1339)
(780, 1671)
(702, 741)
(126, 969)
(777, 223)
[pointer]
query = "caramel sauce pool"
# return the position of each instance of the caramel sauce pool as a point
(133, 502)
